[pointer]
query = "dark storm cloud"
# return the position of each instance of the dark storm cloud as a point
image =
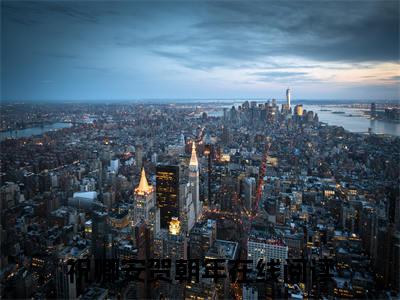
(35, 11)
(351, 31)
(222, 33)
(48, 39)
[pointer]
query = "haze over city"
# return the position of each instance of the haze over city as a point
(95, 50)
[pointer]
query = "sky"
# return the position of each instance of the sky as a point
(133, 50)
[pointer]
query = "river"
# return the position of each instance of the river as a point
(358, 122)
(27, 132)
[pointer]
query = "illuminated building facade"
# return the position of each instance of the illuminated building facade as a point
(174, 226)
(167, 193)
(144, 199)
(194, 183)
(299, 110)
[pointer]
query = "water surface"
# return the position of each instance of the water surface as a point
(28, 132)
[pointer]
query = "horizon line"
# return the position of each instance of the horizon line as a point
(182, 100)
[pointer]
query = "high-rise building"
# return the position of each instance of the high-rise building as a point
(65, 287)
(288, 97)
(373, 110)
(186, 207)
(202, 236)
(248, 191)
(208, 153)
(140, 247)
(194, 182)
(298, 110)
(167, 193)
(225, 138)
(226, 116)
(171, 244)
(144, 199)
(100, 230)
(233, 114)
(260, 246)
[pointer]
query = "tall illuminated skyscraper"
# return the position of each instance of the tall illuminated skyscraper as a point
(144, 199)
(167, 193)
(288, 98)
(194, 182)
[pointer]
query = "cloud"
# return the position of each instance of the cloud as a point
(330, 31)
(214, 34)
(36, 12)
(287, 77)
(204, 45)
(280, 74)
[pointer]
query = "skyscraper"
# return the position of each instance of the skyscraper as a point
(208, 153)
(248, 191)
(100, 230)
(167, 193)
(225, 138)
(144, 199)
(194, 182)
(298, 110)
(288, 97)
(65, 287)
(373, 110)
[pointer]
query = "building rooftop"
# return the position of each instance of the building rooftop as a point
(86, 195)
(143, 188)
(193, 158)
(223, 249)
(259, 236)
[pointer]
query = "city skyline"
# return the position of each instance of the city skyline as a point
(132, 50)
(213, 149)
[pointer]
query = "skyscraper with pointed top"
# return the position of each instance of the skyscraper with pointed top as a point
(144, 198)
(194, 182)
